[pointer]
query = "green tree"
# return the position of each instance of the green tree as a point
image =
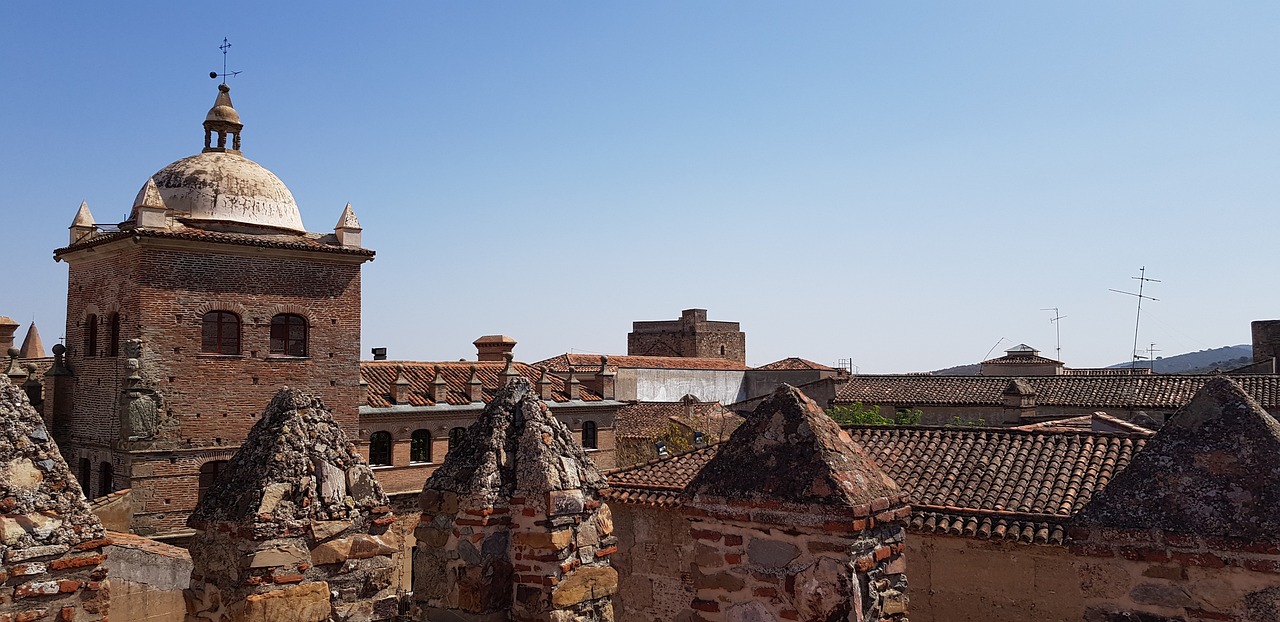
(859, 414)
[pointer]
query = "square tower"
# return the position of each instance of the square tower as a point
(691, 336)
(184, 320)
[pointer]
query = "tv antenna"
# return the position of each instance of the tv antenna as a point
(993, 348)
(1142, 281)
(226, 45)
(1057, 328)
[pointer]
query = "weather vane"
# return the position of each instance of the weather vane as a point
(226, 45)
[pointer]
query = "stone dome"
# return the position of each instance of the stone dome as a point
(222, 186)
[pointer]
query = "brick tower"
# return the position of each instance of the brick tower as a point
(691, 336)
(185, 319)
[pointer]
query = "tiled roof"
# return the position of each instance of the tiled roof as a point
(980, 482)
(1021, 359)
(590, 362)
(1106, 371)
(1097, 422)
(380, 376)
(292, 241)
(657, 482)
(650, 420)
(1156, 392)
(795, 363)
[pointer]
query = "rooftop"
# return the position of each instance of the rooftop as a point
(588, 362)
(795, 363)
(981, 482)
(1156, 392)
(380, 378)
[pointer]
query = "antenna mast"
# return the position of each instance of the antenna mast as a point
(226, 45)
(1142, 281)
(1057, 328)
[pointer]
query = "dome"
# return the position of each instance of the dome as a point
(222, 186)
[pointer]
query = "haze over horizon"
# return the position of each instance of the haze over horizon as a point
(900, 185)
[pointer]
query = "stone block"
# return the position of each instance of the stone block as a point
(272, 494)
(366, 546)
(431, 536)
(604, 520)
(822, 588)
(330, 480)
(331, 552)
(361, 485)
(325, 529)
(286, 553)
(22, 476)
(549, 540)
(565, 502)
(771, 553)
(585, 583)
(303, 603)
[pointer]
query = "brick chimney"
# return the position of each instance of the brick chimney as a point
(603, 381)
(7, 328)
(400, 388)
(545, 388)
(475, 388)
(439, 388)
(493, 347)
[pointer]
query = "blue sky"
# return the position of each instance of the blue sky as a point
(902, 184)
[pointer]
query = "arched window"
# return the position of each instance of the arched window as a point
(91, 335)
(209, 473)
(113, 328)
(86, 472)
(455, 437)
(420, 446)
(105, 475)
(289, 335)
(589, 435)
(220, 333)
(380, 449)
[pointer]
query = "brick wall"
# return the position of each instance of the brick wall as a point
(162, 289)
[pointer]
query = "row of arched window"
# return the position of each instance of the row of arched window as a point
(380, 444)
(220, 334)
(91, 335)
(106, 476)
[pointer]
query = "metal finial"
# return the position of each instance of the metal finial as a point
(226, 45)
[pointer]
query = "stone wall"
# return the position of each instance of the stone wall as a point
(512, 526)
(147, 579)
(50, 542)
(655, 553)
(295, 528)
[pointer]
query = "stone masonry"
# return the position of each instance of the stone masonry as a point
(1189, 530)
(692, 335)
(52, 545)
(793, 521)
(295, 529)
(512, 527)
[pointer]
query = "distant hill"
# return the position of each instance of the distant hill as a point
(1205, 361)
(1225, 358)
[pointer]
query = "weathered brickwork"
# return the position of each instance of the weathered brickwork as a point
(512, 526)
(208, 402)
(297, 523)
(52, 545)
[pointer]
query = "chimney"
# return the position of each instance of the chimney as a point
(475, 388)
(688, 400)
(1019, 400)
(603, 382)
(83, 223)
(544, 385)
(439, 388)
(493, 347)
(400, 388)
(379, 354)
(571, 385)
(17, 375)
(7, 328)
(509, 372)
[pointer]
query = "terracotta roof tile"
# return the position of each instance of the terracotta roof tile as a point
(292, 241)
(1021, 359)
(380, 376)
(1156, 392)
(1097, 422)
(589, 362)
(983, 482)
(794, 363)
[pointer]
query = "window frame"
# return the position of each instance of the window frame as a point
(113, 334)
(287, 343)
(220, 324)
(381, 443)
(209, 472)
(420, 442)
(590, 431)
